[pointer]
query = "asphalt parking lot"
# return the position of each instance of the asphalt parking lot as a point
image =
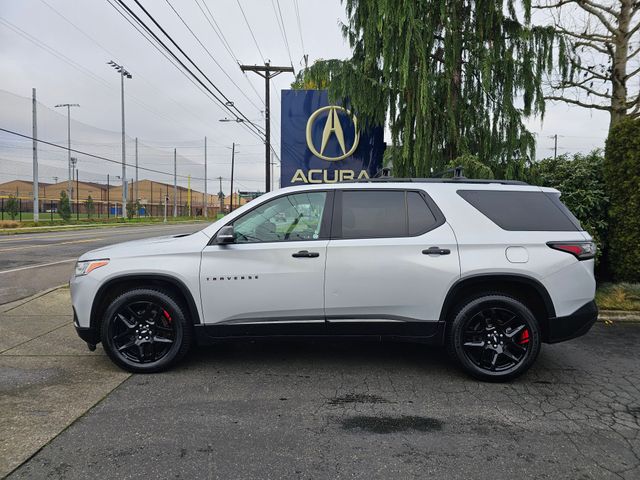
(316, 409)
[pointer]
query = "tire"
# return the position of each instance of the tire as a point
(145, 331)
(494, 337)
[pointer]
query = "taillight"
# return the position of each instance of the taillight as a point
(580, 250)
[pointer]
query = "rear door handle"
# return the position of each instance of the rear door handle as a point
(305, 254)
(436, 251)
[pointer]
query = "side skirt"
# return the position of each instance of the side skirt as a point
(430, 333)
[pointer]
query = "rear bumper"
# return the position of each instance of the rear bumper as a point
(571, 326)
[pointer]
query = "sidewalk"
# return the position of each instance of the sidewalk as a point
(48, 378)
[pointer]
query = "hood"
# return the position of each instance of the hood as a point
(150, 246)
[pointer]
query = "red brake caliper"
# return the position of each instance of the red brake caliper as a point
(524, 337)
(166, 315)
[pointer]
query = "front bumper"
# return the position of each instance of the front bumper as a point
(571, 326)
(88, 334)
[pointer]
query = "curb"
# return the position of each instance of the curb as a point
(610, 316)
(7, 307)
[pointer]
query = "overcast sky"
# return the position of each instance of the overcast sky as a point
(61, 47)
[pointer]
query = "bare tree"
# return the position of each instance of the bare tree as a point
(599, 51)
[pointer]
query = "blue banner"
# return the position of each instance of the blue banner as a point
(321, 143)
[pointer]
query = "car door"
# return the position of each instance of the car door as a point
(273, 272)
(390, 262)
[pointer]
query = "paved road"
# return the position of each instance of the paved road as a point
(31, 263)
(363, 411)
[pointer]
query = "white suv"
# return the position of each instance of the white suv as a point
(490, 269)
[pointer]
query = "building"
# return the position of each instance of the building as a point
(149, 193)
(24, 189)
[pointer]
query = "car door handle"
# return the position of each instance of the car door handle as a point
(305, 254)
(436, 251)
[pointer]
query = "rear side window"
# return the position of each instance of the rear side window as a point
(420, 216)
(523, 211)
(373, 214)
(385, 214)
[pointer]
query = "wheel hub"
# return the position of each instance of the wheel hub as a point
(492, 339)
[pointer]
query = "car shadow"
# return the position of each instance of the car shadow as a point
(320, 354)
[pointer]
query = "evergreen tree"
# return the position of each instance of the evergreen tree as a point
(451, 76)
(64, 208)
(12, 207)
(90, 206)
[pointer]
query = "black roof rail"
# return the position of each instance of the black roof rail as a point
(435, 180)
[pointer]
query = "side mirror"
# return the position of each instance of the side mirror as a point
(226, 235)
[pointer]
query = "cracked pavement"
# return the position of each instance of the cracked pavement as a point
(319, 409)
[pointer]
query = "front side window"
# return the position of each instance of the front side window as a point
(288, 218)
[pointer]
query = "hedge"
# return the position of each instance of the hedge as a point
(622, 177)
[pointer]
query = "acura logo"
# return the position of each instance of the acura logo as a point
(332, 126)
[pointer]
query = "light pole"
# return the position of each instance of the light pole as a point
(123, 73)
(74, 162)
(68, 107)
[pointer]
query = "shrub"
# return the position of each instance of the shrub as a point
(64, 208)
(580, 179)
(11, 206)
(90, 206)
(622, 177)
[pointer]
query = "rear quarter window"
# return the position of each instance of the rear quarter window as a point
(522, 211)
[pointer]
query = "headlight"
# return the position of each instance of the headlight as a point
(86, 267)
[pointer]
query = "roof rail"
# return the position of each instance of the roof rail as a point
(434, 180)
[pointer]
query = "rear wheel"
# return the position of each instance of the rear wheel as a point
(145, 331)
(494, 337)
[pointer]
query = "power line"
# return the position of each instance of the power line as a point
(91, 155)
(226, 103)
(211, 55)
(104, 49)
(297, 9)
(281, 26)
(251, 31)
(79, 67)
(220, 34)
(220, 103)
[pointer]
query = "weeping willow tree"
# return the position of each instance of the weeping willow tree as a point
(450, 78)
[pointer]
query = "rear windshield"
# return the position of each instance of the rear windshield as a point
(523, 211)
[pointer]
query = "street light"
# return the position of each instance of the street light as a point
(236, 120)
(68, 106)
(123, 73)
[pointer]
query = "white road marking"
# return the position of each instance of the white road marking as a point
(37, 266)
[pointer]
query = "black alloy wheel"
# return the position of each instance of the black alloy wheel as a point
(145, 330)
(494, 337)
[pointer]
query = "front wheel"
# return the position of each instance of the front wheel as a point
(145, 331)
(494, 337)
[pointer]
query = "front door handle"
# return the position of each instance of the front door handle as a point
(305, 254)
(436, 251)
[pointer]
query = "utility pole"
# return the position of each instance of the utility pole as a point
(555, 146)
(69, 168)
(108, 188)
(175, 184)
(189, 194)
(221, 196)
(233, 154)
(137, 186)
(206, 197)
(267, 72)
(77, 195)
(74, 161)
(34, 134)
(123, 73)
